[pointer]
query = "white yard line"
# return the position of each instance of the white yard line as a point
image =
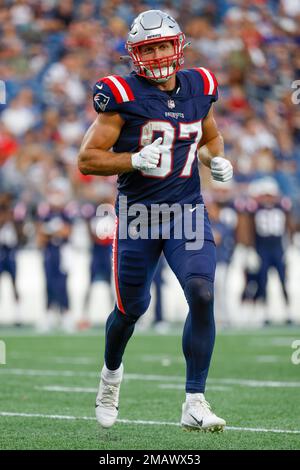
(210, 388)
(73, 373)
(164, 360)
(54, 373)
(151, 377)
(142, 422)
(59, 388)
(256, 383)
(270, 359)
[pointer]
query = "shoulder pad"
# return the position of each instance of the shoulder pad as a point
(207, 82)
(110, 93)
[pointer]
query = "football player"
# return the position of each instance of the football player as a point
(12, 217)
(54, 225)
(157, 120)
(269, 227)
(101, 231)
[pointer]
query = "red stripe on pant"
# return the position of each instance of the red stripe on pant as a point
(115, 267)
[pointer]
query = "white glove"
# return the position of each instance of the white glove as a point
(148, 157)
(246, 258)
(221, 169)
(253, 260)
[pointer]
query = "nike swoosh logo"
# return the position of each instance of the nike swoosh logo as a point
(99, 86)
(193, 209)
(197, 421)
(96, 406)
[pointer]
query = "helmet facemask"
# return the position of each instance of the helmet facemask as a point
(159, 69)
(150, 27)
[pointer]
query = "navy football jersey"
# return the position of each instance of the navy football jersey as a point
(52, 221)
(101, 228)
(270, 223)
(149, 113)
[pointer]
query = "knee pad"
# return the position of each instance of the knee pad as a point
(199, 291)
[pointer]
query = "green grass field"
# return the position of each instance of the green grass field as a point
(49, 383)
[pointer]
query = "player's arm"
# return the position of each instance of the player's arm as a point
(64, 231)
(245, 231)
(211, 150)
(245, 241)
(95, 157)
(211, 144)
(41, 237)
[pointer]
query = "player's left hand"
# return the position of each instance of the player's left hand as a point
(221, 169)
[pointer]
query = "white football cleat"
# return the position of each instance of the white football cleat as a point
(198, 416)
(107, 400)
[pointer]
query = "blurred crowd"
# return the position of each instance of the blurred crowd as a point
(51, 54)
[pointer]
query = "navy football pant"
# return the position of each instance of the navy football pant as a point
(56, 279)
(8, 264)
(135, 262)
(271, 258)
(100, 267)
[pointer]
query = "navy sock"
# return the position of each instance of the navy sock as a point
(198, 334)
(119, 329)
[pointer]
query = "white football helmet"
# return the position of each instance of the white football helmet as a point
(154, 26)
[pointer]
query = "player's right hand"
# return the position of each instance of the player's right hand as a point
(253, 260)
(148, 157)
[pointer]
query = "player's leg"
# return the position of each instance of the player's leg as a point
(62, 295)
(12, 270)
(262, 281)
(280, 266)
(95, 270)
(221, 295)
(134, 263)
(195, 270)
(8, 264)
(59, 277)
(51, 320)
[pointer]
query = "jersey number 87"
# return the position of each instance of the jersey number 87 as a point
(185, 132)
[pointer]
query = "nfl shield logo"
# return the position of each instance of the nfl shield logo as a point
(171, 104)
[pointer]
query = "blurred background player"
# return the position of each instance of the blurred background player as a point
(224, 220)
(11, 239)
(101, 231)
(53, 233)
(270, 231)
